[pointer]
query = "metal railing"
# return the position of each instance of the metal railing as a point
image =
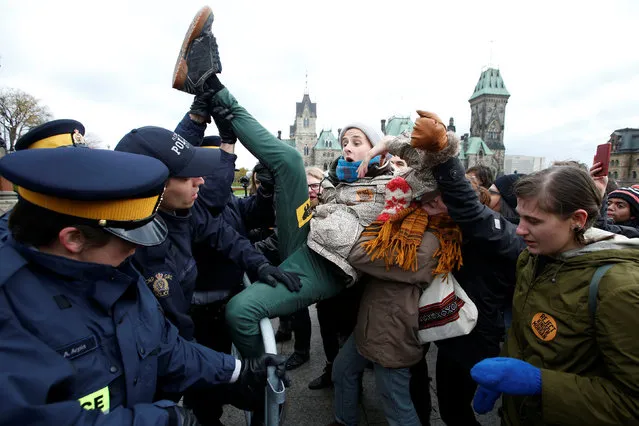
(275, 391)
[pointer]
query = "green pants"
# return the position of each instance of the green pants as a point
(320, 278)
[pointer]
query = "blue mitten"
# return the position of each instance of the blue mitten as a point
(484, 400)
(508, 375)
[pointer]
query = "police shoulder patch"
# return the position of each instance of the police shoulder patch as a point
(159, 283)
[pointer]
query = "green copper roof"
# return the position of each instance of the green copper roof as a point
(396, 125)
(490, 83)
(474, 145)
(327, 142)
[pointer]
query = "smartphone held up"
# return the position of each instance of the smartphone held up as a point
(603, 156)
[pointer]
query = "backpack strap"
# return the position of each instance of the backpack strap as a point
(594, 290)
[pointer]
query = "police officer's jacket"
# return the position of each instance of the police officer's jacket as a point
(78, 339)
(169, 269)
(218, 276)
(4, 227)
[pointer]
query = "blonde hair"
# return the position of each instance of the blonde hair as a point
(315, 172)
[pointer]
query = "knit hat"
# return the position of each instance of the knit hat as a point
(629, 195)
(506, 184)
(371, 133)
(398, 231)
(397, 197)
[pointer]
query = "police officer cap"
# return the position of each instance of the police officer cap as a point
(53, 134)
(182, 158)
(211, 142)
(117, 191)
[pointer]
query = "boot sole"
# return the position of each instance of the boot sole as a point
(195, 29)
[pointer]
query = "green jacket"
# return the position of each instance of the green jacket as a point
(590, 372)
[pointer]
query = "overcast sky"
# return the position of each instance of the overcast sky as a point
(571, 67)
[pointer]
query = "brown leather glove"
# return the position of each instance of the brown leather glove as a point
(429, 132)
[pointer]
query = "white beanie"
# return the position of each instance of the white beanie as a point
(371, 133)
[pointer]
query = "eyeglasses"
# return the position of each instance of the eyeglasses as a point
(315, 186)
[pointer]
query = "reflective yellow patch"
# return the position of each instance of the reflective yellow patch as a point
(98, 400)
(304, 213)
(544, 326)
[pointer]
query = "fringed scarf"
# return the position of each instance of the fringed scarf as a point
(398, 237)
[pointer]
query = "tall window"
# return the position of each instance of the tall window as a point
(306, 150)
(306, 122)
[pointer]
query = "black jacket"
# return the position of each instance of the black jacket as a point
(603, 222)
(490, 248)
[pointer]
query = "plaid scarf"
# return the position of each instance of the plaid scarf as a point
(347, 170)
(398, 237)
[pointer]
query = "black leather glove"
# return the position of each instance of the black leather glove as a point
(222, 117)
(180, 416)
(265, 177)
(271, 275)
(253, 374)
(201, 106)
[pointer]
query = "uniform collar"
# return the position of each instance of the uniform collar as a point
(103, 283)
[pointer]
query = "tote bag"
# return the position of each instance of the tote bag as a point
(445, 310)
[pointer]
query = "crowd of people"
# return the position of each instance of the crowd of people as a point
(121, 273)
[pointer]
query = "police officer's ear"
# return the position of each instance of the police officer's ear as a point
(72, 239)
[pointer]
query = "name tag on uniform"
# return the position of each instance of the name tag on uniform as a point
(75, 349)
(98, 400)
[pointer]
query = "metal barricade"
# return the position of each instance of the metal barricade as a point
(275, 391)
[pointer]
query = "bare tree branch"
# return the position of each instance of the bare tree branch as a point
(19, 112)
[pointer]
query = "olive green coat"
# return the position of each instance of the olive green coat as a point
(590, 374)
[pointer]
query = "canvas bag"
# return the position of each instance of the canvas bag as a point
(445, 310)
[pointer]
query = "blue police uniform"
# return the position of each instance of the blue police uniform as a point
(80, 340)
(4, 227)
(78, 336)
(172, 261)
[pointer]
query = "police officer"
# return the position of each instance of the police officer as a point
(82, 339)
(170, 268)
(53, 134)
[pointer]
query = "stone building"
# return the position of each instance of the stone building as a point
(624, 158)
(485, 144)
(316, 151)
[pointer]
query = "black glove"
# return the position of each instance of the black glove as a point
(201, 106)
(265, 177)
(253, 374)
(180, 416)
(222, 117)
(271, 275)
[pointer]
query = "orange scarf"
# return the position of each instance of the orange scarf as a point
(397, 239)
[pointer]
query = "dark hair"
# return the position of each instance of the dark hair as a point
(484, 174)
(35, 226)
(562, 190)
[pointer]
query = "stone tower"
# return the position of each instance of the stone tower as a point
(488, 115)
(303, 132)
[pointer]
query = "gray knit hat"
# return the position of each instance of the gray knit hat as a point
(371, 133)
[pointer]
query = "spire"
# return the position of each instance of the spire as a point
(306, 84)
(490, 54)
